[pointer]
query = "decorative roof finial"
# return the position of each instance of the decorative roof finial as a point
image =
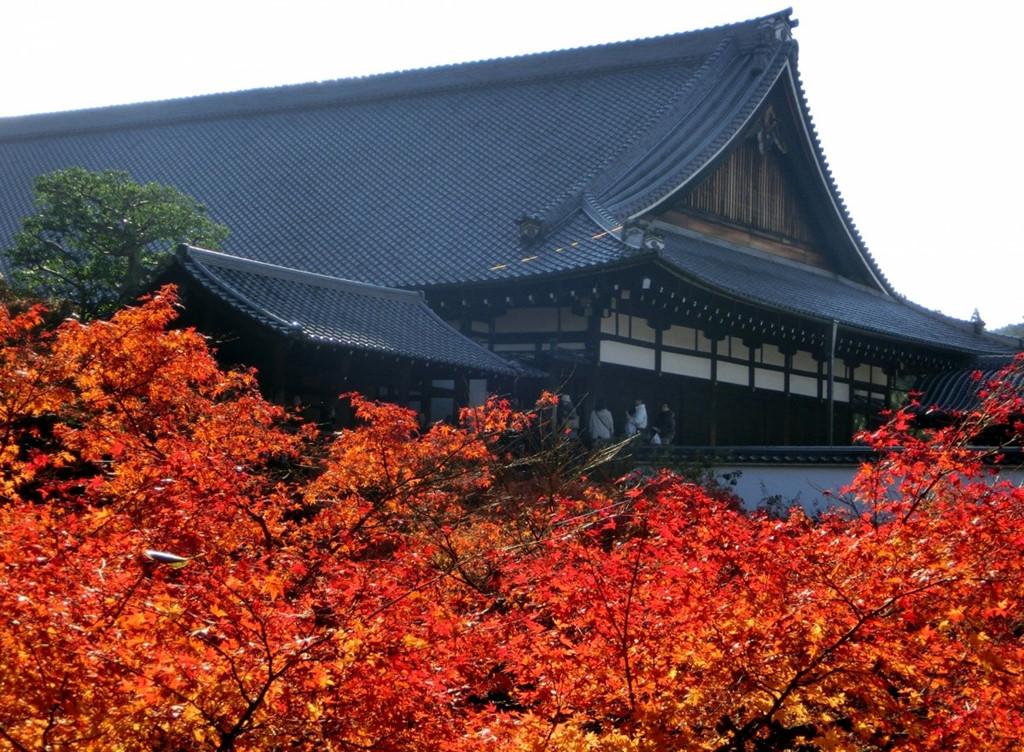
(769, 133)
(776, 29)
(977, 322)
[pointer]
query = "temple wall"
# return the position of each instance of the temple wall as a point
(805, 485)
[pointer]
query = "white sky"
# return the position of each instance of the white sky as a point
(916, 103)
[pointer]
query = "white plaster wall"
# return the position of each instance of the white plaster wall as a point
(627, 355)
(680, 336)
(804, 484)
(686, 365)
(803, 385)
(765, 379)
(733, 373)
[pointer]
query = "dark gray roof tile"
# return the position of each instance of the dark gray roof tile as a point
(806, 291)
(340, 313)
(957, 391)
(410, 179)
(418, 179)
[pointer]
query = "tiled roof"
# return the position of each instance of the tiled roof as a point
(792, 287)
(788, 455)
(755, 455)
(417, 179)
(336, 312)
(957, 391)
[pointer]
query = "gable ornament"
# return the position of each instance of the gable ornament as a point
(769, 133)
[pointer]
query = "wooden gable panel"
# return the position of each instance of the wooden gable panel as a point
(753, 198)
(752, 189)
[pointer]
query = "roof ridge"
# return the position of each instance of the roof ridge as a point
(962, 324)
(630, 198)
(764, 61)
(700, 84)
(559, 208)
(219, 258)
(311, 95)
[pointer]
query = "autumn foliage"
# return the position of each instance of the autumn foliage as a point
(184, 566)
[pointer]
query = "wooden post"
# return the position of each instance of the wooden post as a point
(831, 384)
(461, 392)
(658, 344)
(713, 411)
(426, 392)
(593, 345)
(788, 351)
(404, 382)
(280, 390)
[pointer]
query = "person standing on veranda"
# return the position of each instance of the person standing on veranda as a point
(664, 426)
(602, 424)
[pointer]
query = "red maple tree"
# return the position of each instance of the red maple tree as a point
(185, 566)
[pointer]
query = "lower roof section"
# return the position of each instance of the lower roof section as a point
(781, 285)
(338, 313)
(958, 391)
(795, 456)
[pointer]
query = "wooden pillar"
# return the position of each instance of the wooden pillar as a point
(595, 388)
(761, 429)
(279, 380)
(848, 429)
(713, 407)
(461, 392)
(344, 373)
(403, 382)
(427, 392)
(831, 385)
(658, 344)
(752, 360)
(788, 350)
(343, 408)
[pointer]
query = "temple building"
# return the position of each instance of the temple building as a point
(651, 219)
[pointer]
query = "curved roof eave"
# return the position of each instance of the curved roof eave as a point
(738, 131)
(787, 73)
(202, 265)
(829, 183)
(675, 269)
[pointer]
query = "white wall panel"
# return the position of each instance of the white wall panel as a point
(765, 379)
(772, 356)
(804, 361)
(733, 373)
(641, 330)
(841, 392)
(682, 337)
(627, 355)
(804, 385)
(686, 365)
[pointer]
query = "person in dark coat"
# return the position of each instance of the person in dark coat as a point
(664, 426)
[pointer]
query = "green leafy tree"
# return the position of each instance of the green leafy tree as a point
(1012, 330)
(96, 238)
